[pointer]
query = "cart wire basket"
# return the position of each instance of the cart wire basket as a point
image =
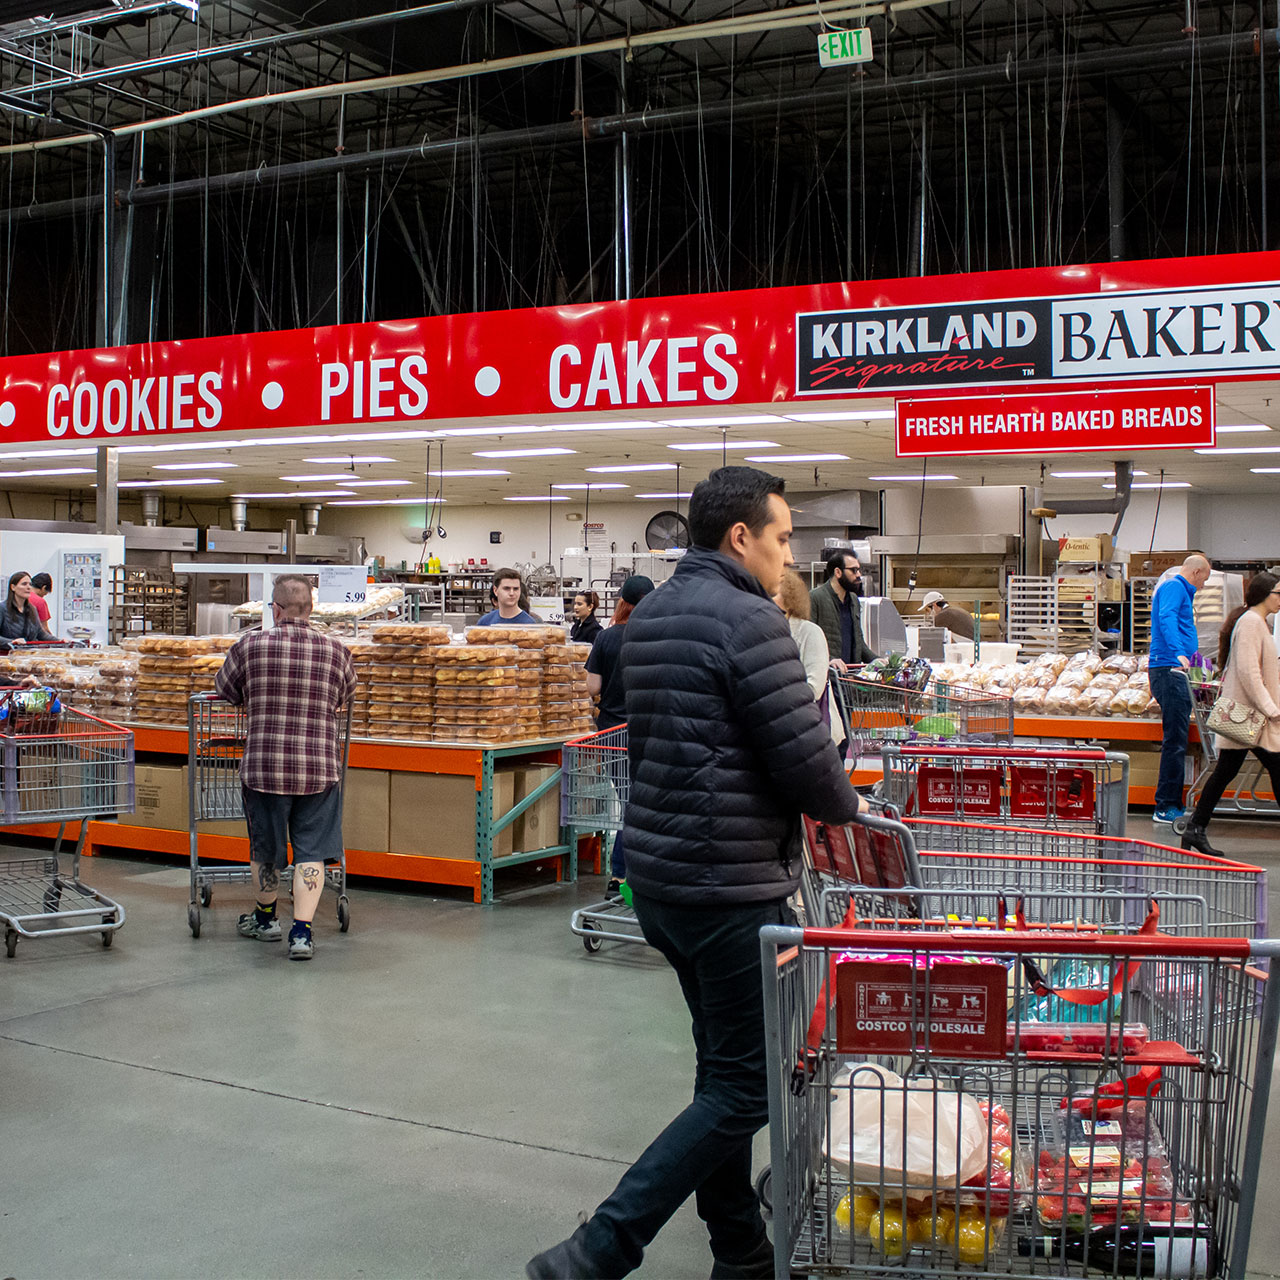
(1061, 789)
(595, 785)
(59, 765)
(217, 731)
(926, 1120)
(879, 715)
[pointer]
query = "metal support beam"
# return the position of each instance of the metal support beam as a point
(1115, 182)
(107, 507)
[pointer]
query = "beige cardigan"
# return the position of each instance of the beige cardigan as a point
(1253, 676)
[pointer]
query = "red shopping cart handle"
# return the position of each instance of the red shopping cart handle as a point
(1003, 753)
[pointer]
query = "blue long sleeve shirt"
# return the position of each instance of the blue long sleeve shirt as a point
(1173, 625)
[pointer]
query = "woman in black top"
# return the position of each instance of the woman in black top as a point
(19, 621)
(585, 628)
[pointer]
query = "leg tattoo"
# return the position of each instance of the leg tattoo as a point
(311, 876)
(268, 878)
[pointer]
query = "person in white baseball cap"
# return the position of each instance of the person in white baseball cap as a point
(955, 619)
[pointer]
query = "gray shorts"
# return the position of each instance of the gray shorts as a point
(312, 823)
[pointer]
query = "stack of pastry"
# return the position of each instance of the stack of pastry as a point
(363, 654)
(400, 688)
(477, 697)
(530, 644)
(171, 669)
(566, 704)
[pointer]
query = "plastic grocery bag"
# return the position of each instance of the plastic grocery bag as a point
(914, 1133)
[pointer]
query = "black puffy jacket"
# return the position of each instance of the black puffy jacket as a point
(727, 746)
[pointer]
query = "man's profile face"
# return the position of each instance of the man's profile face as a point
(768, 555)
(508, 593)
(850, 573)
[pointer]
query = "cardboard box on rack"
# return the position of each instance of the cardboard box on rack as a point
(1151, 564)
(434, 814)
(366, 810)
(1098, 547)
(538, 827)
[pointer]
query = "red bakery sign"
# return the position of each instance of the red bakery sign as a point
(1050, 422)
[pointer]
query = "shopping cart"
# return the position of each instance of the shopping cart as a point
(595, 784)
(58, 765)
(878, 715)
(1243, 800)
(924, 1121)
(1057, 788)
(217, 732)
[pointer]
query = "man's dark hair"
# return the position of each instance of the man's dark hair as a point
(730, 495)
(835, 562)
(42, 581)
(501, 575)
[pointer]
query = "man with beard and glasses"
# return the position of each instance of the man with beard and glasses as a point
(835, 608)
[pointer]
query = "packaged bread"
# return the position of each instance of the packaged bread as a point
(448, 676)
(1061, 701)
(1122, 663)
(476, 695)
(1029, 699)
(410, 633)
(1108, 680)
(526, 637)
(1132, 702)
(1095, 702)
(476, 655)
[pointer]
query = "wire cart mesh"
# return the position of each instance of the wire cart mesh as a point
(879, 715)
(595, 785)
(59, 765)
(216, 737)
(925, 1119)
(1056, 788)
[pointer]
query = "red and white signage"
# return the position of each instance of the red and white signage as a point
(1131, 323)
(1050, 422)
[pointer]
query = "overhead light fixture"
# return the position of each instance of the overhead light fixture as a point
(1241, 449)
(495, 431)
(539, 497)
(801, 457)
(359, 457)
(383, 502)
(337, 475)
(629, 467)
(468, 471)
(1157, 484)
(743, 420)
(291, 441)
(168, 483)
(301, 493)
(726, 444)
(193, 466)
(378, 484)
(521, 453)
(917, 479)
(1088, 475)
(1265, 471)
(591, 484)
(51, 471)
(1240, 428)
(845, 415)
(50, 455)
(663, 496)
(623, 424)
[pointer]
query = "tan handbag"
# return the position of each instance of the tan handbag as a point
(1236, 720)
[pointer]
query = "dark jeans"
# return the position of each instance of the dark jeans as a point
(618, 859)
(1170, 689)
(706, 1150)
(1229, 762)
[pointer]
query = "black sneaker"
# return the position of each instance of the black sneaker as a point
(614, 888)
(300, 945)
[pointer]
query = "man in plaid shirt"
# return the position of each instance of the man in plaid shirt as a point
(291, 680)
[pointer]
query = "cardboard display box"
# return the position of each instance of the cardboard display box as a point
(538, 827)
(366, 810)
(435, 814)
(1095, 548)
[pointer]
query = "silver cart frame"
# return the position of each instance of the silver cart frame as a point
(59, 768)
(216, 734)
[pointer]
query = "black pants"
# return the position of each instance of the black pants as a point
(706, 1150)
(1229, 762)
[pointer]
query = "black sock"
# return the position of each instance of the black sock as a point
(265, 914)
(301, 927)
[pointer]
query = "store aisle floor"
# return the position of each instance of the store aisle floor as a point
(439, 1093)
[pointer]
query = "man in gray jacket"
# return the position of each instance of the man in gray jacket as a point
(835, 608)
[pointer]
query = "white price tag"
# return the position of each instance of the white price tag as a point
(343, 584)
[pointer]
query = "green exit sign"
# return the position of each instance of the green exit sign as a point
(843, 48)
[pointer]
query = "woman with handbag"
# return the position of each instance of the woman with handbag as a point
(1248, 706)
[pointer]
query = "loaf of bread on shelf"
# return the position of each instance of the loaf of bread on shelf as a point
(472, 655)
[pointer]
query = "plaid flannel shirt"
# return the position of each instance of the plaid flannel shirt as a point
(291, 681)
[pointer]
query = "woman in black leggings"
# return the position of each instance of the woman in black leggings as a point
(1250, 674)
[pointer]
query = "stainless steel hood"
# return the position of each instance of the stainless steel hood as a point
(962, 544)
(145, 537)
(255, 542)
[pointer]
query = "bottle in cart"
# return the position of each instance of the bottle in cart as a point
(1161, 1252)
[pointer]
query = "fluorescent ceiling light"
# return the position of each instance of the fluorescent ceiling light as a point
(337, 475)
(634, 466)
(378, 484)
(618, 425)
(1237, 449)
(1265, 471)
(845, 415)
(496, 431)
(554, 497)
(52, 455)
(383, 502)
(592, 484)
(663, 495)
(1241, 427)
(744, 420)
(193, 466)
(467, 471)
(801, 457)
(915, 479)
(347, 457)
(168, 483)
(53, 471)
(520, 453)
(1089, 475)
(1157, 484)
(727, 444)
(301, 493)
(291, 441)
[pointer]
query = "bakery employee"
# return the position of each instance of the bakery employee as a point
(955, 619)
(507, 590)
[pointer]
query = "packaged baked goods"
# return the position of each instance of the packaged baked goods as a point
(1029, 699)
(475, 675)
(410, 633)
(1122, 663)
(476, 695)
(476, 655)
(526, 637)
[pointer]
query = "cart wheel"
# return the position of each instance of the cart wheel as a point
(344, 914)
(591, 943)
(193, 919)
(107, 935)
(1180, 825)
(11, 942)
(764, 1190)
(52, 897)
(206, 895)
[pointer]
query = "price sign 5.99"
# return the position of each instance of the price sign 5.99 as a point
(343, 584)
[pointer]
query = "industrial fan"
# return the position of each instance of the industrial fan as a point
(666, 530)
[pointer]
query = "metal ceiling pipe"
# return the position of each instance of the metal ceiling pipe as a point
(239, 514)
(1116, 506)
(572, 133)
(310, 517)
(150, 508)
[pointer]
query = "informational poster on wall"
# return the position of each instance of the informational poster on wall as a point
(595, 538)
(81, 595)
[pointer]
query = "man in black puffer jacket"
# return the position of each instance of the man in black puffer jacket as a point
(727, 750)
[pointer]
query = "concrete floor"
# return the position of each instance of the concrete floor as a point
(439, 1093)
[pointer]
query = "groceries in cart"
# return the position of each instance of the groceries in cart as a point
(899, 671)
(29, 711)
